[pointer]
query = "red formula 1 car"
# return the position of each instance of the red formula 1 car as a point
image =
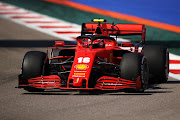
(97, 61)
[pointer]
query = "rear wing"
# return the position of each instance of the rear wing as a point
(114, 29)
(127, 29)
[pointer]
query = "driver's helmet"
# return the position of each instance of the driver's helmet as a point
(99, 42)
(86, 42)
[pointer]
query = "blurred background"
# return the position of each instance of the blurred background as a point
(160, 17)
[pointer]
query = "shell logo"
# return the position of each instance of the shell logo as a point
(81, 67)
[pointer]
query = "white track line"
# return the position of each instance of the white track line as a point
(35, 26)
(9, 9)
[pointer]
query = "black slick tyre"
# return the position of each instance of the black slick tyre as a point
(33, 66)
(132, 66)
(158, 62)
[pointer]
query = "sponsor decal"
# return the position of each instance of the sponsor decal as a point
(78, 76)
(81, 67)
(79, 73)
(47, 83)
(77, 80)
(111, 84)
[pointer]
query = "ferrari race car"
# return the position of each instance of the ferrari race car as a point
(97, 62)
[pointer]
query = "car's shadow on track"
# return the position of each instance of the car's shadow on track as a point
(173, 82)
(152, 91)
(98, 93)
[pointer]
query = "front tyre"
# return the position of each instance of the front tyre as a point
(34, 65)
(134, 65)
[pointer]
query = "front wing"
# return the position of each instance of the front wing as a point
(103, 83)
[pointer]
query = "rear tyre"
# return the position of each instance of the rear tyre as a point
(158, 62)
(132, 66)
(33, 66)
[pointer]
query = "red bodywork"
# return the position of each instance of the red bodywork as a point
(87, 62)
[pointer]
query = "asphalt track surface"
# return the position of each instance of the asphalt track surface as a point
(160, 102)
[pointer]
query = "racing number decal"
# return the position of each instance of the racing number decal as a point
(83, 60)
(82, 66)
